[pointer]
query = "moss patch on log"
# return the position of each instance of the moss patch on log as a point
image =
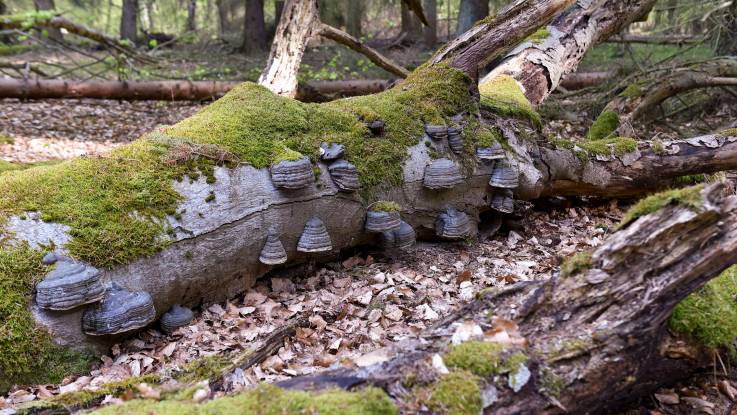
(604, 126)
(730, 132)
(710, 314)
(269, 399)
(689, 197)
(503, 95)
(27, 354)
(539, 36)
(256, 125)
(483, 358)
(575, 264)
(384, 206)
(456, 393)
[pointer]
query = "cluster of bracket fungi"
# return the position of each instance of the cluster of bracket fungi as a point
(444, 173)
(113, 309)
(110, 310)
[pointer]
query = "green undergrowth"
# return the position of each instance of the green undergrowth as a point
(209, 367)
(504, 96)
(28, 20)
(256, 125)
(604, 126)
(633, 90)
(85, 399)
(456, 393)
(710, 314)
(269, 400)
(575, 264)
(9, 50)
(27, 354)
(689, 197)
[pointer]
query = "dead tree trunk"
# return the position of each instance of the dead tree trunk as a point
(129, 21)
(354, 16)
(430, 31)
(191, 16)
(411, 27)
(183, 215)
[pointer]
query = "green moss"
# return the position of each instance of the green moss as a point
(210, 197)
(690, 179)
(632, 91)
(9, 50)
(11, 166)
(710, 315)
(286, 154)
(456, 393)
(575, 264)
(539, 36)
(85, 399)
(269, 400)
(608, 146)
(657, 147)
(28, 20)
(478, 357)
(689, 197)
(209, 367)
(384, 206)
(730, 132)
(26, 353)
(604, 126)
(551, 384)
(504, 95)
(567, 144)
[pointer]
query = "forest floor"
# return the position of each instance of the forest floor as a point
(355, 307)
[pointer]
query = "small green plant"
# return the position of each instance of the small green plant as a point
(575, 264)
(604, 126)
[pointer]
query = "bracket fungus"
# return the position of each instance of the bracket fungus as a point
(504, 175)
(315, 237)
(442, 174)
(273, 252)
(382, 221)
(402, 238)
(453, 224)
(345, 176)
(71, 284)
(293, 174)
(377, 128)
(493, 152)
(50, 258)
(119, 311)
(503, 201)
(455, 140)
(332, 151)
(436, 132)
(176, 317)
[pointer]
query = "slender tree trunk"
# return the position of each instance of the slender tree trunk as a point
(278, 10)
(150, 15)
(728, 39)
(254, 29)
(469, 12)
(411, 26)
(191, 15)
(54, 33)
(354, 15)
(672, 9)
(129, 21)
(222, 17)
(431, 31)
(332, 12)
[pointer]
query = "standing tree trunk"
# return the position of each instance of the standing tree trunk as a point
(728, 38)
(278, 9)
(469, 12)
(129, 21)
(431, 30)
(222, 17)
(54, 33)
(191, 15)
(150, 15)
(411, 26)
(354, 15)
(254, 29)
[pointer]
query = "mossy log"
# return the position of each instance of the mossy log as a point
(584, 342)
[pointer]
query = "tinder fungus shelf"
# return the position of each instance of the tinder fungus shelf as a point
(119, 311)
(504, 175)
(331, 151)
(455, 140)
(345, 176)
(71, 284)
(292, 174)
(436, 132)
(493, 152)
(453, 224)
(382, 217)
(401, 238)
(503, 201)
(315, 237)
(442, 174)
(273, 252)
(176, 317)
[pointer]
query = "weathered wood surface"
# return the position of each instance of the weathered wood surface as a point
(599, 337)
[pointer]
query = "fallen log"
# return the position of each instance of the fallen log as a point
(315, 91)
(580, 80)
